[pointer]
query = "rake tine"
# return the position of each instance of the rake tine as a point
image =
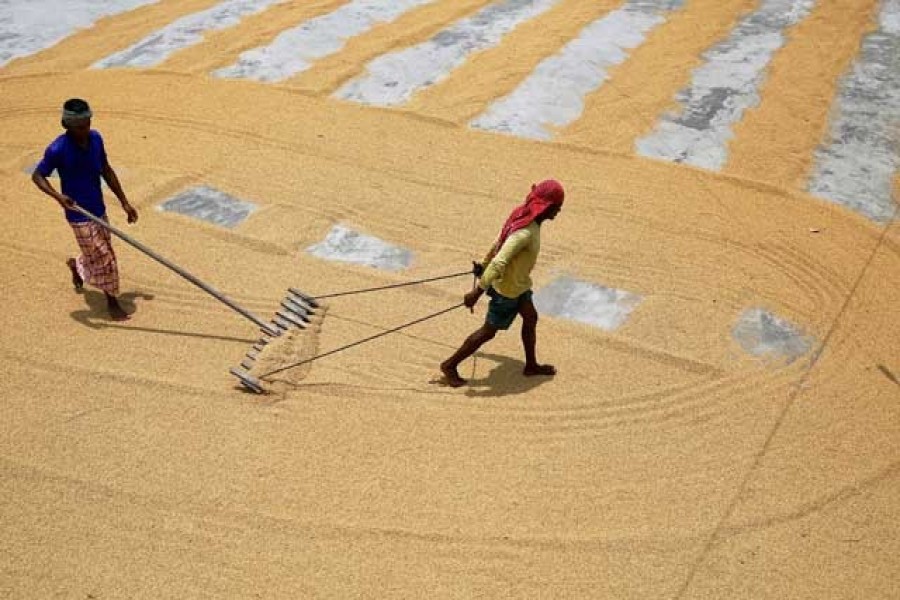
(305, 297)
(299, 304)
(252, 354)
(303, 304)
(292, 318)
(296, 309)
(304, 312)
(247, 364)
(271, 331)
(249, 381)
(283, 323)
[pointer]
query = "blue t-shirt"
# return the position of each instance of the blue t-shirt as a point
(79, 171)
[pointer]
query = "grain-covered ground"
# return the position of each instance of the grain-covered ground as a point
(719, 296)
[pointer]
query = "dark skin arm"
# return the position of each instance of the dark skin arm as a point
(471, 298)
(112, 180)
(64, 201)
(42, 184)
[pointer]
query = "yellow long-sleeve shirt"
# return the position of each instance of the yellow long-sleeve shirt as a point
(509, 273)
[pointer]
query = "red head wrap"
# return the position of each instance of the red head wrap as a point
(542, 196)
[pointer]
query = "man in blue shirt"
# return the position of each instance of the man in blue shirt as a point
(79, 157)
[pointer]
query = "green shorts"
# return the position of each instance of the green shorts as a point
(502, 311)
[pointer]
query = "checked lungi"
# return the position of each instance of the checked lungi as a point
(97, 264)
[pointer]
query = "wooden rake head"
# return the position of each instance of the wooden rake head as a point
(298, 312)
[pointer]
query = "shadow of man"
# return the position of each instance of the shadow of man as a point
(97, 312)
(96, 316)
(504, 379)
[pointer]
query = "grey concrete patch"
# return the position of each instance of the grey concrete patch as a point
(211, 205)
(721, 89)
(857, 164)
(296, 49)
(393, 78)
(763, 334)
(346, 245)
(553, 95)
(183, 33)
(586, 302)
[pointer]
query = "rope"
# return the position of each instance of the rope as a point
(368, 339)
(395, 285)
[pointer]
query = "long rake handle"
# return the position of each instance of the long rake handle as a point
(203, 286)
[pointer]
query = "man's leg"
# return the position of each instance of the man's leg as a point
(116, 312)
(111, 278)
(529, 340)
(469, 347)
(97, 264)
(77, 281)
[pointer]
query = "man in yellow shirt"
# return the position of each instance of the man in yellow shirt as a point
(506, 277)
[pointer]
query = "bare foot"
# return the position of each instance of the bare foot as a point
(452, 376)
(77, 281)
(116, 312)
(532, 370)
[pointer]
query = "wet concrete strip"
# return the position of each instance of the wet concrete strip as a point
(721, 89)
(857, 164)
(469, 89)
(29, 27)
(183, 33)
(296, 49)
(619, 113)
(393, 78)
(776, 141)
(553, 95)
